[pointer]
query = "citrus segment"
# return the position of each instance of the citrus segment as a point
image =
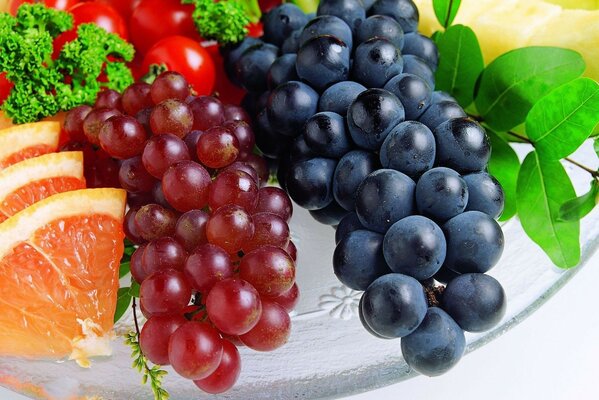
(526, 23)
(35, 179)
(21, 142)
(59, 261)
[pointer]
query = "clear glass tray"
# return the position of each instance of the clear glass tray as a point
(329, 354)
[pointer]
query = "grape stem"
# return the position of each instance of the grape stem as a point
(593, 173)
(134, 307)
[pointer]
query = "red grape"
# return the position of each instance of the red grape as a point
(153, 221)
(169, 85)
(233, 306)
(165, 292)
(191, 229)
(195, 350)
(291, 250)
(236, 113)
(242, 166)
(158, 195)
(94, 121)
(104, 173)
(208, 112)
(217, 147)
(130, 227)
(137, 200)
(269, 229)
(186, 185)
(161, 152)
(108, 98)
(73, 122)
(122, 137)
(274, 200)
(191, 140)
(155, 335)
(143, 117)
(259, 164)
(233, 187)
(269, 269)
(244, 134)
(171, 116)
(230, 227)
(226, 374)
(163, 253)
(134, 177)
(289, 299)
(136, 265)
(272, 331)
(137, 97)
(207, 265)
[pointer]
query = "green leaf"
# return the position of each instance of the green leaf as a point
(134, 290)
(561, 121)
(446, 10)
(514, 81)
(504, 165)
(596, 146)
(543, 186)
(460, 63)
(123, 300)
(125, 268)
(576, 208)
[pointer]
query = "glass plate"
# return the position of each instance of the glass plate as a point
(329, 354)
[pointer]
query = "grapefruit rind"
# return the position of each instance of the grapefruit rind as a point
(18, 138)
(54, 165)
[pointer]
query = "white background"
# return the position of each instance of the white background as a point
(553, 355)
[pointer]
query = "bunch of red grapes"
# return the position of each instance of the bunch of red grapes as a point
(215, 261)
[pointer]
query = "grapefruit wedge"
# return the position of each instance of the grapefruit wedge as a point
(29, 181)
(20, 142)
(59, 278)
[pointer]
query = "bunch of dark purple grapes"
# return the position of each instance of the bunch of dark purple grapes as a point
(345, 103)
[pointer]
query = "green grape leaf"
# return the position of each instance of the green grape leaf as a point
(446, 10)
(134, 289)
(575, 209)
(460, 63)
(543, 186)
(125, 268)
(123, 300)
(514, 81)
(504, 165)
(561, 121)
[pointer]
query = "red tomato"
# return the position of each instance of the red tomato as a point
(58, 4)
(123, 7)
(228, 92)
(100, 14)
(267, 5)
(154, 20)
(255, 30)
(187, 57)
(5, 87)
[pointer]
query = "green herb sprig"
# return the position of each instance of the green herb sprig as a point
(533, 95)
(153, 374)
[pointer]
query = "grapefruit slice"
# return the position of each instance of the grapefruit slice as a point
(20, 142)
(59, 278)
(29, 181)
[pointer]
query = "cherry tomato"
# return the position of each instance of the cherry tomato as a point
(123, 7)
(255, 30)
(228, 92)
(187, 57)
(57, 4)
(101, 14)
(5, 87)
(153, 20)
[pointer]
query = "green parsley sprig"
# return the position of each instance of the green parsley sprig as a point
(43, 85)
